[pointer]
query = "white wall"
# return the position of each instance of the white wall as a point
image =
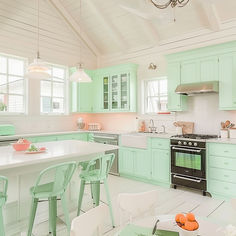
(58, 44)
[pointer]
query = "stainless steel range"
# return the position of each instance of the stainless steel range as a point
(188, 161)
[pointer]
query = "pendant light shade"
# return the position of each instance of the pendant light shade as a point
(80, 76)
(38, 69)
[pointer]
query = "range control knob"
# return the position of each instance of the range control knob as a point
(185, 143)
(179, 142)
(195, 144)
(190, 144)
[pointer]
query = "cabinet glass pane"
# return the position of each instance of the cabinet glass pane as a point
(114, 87)
(105, 92)
(124, 91)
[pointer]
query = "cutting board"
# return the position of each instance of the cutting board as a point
(186, 126)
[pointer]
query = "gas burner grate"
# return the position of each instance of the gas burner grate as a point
(195, 136)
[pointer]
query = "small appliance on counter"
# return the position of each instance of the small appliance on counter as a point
(6, 130)
(94, 127)
(80, 123)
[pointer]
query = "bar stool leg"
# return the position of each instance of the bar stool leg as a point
(96, 192)
(33, 209)
(109, 202)
(81, 193)
(53, 215)
(66, 212)
(2, 231)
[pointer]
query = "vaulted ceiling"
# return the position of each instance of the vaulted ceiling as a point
(121, 26)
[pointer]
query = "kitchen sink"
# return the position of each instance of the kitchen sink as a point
(134, 140)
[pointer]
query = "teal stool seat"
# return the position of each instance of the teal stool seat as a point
(94, 173)
(60, 176)
(3, 199)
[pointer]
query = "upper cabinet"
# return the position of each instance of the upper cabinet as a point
(113, 89)
(213, 63)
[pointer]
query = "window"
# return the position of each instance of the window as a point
(12, 84)
(53, 91)
(155, 95)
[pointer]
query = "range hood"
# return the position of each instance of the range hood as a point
(198, 88)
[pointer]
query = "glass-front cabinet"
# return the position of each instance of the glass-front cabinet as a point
(116, 92)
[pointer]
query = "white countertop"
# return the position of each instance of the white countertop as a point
(222, 140)
(58, 150)
(152, 135)
(17, 136)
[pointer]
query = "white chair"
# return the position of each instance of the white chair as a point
(90, 223)
(134, 205)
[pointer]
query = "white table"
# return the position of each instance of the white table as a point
(167, 222)
(22, 170)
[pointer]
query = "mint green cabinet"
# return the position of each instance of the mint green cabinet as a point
(176, 102)
(221, 170)
(126, 161)
(209, 69)
(227, 86)
(49, 138)
(190, 72)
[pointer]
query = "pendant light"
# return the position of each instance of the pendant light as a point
(80, 76)
(38, 69)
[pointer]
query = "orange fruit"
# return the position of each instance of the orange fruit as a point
(196, 225)
(182, 220)
(189, 225)
(190, 217)
(177, 217)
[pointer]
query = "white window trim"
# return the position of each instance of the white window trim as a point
(25, 87)
(66, 94)
(145, 94)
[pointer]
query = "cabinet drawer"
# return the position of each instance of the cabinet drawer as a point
(160, 143)
(222, 175)
(222, 162)
(222, 188)
(225, 150)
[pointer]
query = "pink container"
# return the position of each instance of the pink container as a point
(21, 146)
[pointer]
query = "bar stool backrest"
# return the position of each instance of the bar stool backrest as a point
(104, 164)
(60, 175)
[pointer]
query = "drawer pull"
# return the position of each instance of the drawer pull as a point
(226, 151)
(226, 176)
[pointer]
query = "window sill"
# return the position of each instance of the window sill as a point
(12, 114)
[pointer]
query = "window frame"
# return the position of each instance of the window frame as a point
(66, 92)
(25, 85)
(145, 94)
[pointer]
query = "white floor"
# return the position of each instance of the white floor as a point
(170, 201)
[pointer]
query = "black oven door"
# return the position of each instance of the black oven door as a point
(188, 161)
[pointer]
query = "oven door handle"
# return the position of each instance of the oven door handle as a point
(185, 149)
(185, 178)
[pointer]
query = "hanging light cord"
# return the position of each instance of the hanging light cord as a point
(38, 32)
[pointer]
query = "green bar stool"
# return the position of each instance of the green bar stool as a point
(52, 183)
(3, 199)
(94, 173)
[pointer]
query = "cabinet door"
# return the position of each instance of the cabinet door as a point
(82, 136)
(209, 69)
(106, 92)
(85, 95)
(190, 72)
(227, 86)
(124, 91)
(176, 102)
(161, 165)
(126, 161)
(142, 164)
(115, 92)
(97, 93)
(46, 138)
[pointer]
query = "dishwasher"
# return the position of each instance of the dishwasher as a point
(112, 139)
(7, 142)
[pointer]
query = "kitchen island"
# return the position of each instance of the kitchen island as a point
(23, 169)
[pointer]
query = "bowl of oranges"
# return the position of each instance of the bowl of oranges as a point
(188, 224)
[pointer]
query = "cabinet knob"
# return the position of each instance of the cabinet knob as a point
(226, 151)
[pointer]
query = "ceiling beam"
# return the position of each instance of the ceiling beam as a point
(117, 37)
(75, 26)
(211, 14)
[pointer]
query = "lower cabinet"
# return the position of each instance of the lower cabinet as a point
(50, 138)
(221, 170)
(161, 165)
(152, 164)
